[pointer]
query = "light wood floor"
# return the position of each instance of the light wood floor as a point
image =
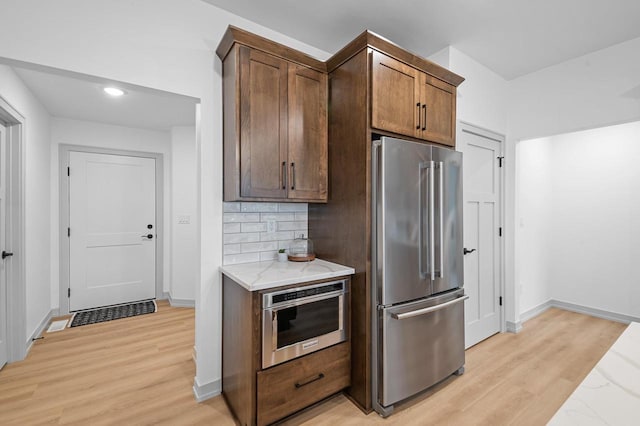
(139, 371)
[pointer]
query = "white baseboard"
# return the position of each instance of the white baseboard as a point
(178, 303)
(594, 312)
(535, 311)
(182, 303)
(206, 391)
(567, 306)
(40, 329)
(514, 327)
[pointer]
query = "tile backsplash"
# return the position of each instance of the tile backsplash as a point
(255, 231)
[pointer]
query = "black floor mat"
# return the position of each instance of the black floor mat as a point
(113, 312)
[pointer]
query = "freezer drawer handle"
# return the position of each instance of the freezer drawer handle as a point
(429, 309)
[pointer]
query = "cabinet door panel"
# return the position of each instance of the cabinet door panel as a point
(439, 98)
(395, 93)
(307, 163)
(263, 128)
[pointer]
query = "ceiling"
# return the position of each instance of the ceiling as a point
(81, 97)
(511, 37)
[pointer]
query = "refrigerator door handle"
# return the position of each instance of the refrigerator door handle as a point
(428, 310)
(432, 237)
(421, 226)
(441, 231)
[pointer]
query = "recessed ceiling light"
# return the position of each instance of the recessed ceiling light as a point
(113, 91)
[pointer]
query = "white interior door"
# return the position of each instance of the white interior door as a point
(482, 212)
(112, 221)
(4, 353)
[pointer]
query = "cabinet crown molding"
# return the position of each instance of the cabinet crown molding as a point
(235, 35)
(389, 48)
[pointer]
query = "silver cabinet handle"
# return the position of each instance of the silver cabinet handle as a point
(432, 225)
(293, 175)
(421, 225)
(283, 179)
(430, 309)
(441, 189)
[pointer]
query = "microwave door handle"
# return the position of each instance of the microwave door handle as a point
(441, 233)
(274, 331)
(432, 239)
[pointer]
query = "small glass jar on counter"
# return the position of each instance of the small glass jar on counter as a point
(301, 249)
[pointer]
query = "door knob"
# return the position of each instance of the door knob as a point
(149, 236)
(467, 251)
(6, 254)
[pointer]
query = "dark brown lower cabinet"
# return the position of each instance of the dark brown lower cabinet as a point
(291, 386)
(259, 396)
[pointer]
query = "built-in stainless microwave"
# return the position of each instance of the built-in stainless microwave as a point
(298, 321)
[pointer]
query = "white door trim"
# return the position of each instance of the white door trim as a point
(64, 151)
(17, 338)
(464, 127)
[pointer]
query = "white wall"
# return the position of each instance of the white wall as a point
(592, 218)
(184, 207)
(482, 96)
(598, 89)
(37, 161)
(163, 44)
(534, 176)
(87, 133)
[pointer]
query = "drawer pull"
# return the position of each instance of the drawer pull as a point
(320, 376)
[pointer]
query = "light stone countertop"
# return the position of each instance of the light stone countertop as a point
(270, 274)
(610, 394)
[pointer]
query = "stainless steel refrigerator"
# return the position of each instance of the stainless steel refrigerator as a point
(417, 269)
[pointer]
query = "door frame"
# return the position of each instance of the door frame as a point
(15, 223)
(63, 160)
(465, 127)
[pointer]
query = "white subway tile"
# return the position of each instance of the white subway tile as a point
(257, 247)
(254, 227)
(231, 249)
(292, 207)
(276, 216)
(258, 207)
(268, 255)
(246, 237)
(293, 226)
(230, 228)
(231, 207)
(284, 244)
(241, 258)
(241, 217)
(302, 216)
(275, 236)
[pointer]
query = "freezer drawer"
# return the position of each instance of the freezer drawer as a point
(422, 343)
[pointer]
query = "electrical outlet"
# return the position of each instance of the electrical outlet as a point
(184, 220)
(271, 226)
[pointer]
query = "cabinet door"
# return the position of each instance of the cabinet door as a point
(439, 113)
(307, 163)
(263, 124)
(395, 96)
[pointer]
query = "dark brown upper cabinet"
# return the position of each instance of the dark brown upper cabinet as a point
(275, 121)
(409, 102)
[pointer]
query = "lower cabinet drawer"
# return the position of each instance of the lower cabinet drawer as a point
(289, 387)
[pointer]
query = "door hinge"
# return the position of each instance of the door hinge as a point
(500, 300)
(68, 232)
(68, 171)
(500, 231)
(500, 159)
(69, 293)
